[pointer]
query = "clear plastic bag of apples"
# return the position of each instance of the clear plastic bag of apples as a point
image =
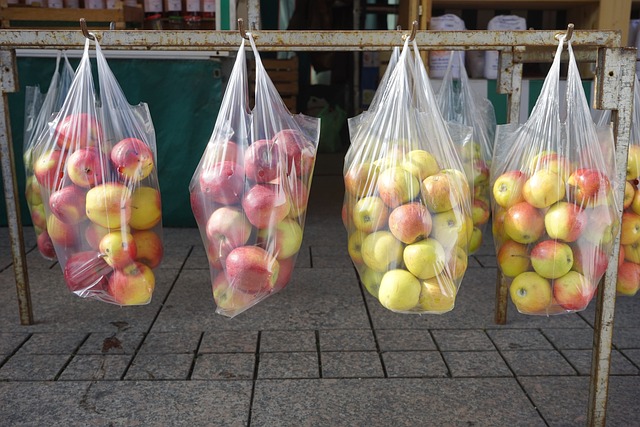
(553, 200)
(460, 105)
(628, 279)
(250, 190)
(407, 203)
(96, 167)
(39, 109)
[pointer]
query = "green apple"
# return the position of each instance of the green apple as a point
(381, 251)
(399, 290)
(543, 188)
(425, 258)
(421, 164)
(354, 246)
(438, 294)
(370, 214)
(551, 259)
(370, 280)
(531, 293)
(513, 258)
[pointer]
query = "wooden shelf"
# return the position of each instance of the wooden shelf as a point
(42, 17)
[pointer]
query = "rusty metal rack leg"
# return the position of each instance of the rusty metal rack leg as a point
(614, 83)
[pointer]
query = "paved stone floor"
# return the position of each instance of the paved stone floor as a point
(322, 352)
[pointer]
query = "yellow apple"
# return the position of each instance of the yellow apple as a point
(452, 228)
(543, 188)
(109, 205)
(370, 214)
(457, 262)
(425, 258)
(629, 194)
(399, 290)
(397, 186)
(438, 294)
(531, 293)
(551, 258)
(633, 162)
(146, 208)
(360, 179)
(421, 164)
(507, 188)
(371, 280)
(475, 240)
(630, 228)
(513, 258)
(381, 251)
(441, 192)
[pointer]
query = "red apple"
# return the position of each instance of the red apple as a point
(118, 248)
(300, 152)
(86, 272)
(149, 247)
(299, 196)
(287, 266)
(266, 205)
(252, 269)
(628, 279)
(554, 162)
(39, 217)
(590, 261)
(93, 234)
(226, 229)
(87, 167)
(264, 160)
(220, 151)
(199, 206)
(132, 159)
(68, 204)
(49, 169)
(397, 185)
(222, 182)
(410, 222)
(480, 212)
(630, 228)
(77, 131)
(61, 233)
(361, 179)
(572, 291)
(524, 223)
(565, 221)
(133, 285)
(440, 192)
(45, 245)
(588, 186)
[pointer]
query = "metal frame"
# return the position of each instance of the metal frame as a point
(615, 75)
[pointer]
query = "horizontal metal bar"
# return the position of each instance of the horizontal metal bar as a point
(304, 40)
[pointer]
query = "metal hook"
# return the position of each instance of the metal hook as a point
(414, 29)
(243, 33)
(567, 35)
(85, 31)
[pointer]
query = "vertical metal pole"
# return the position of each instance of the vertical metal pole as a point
(253, 15)
(9, 84)
(615, 77)
(510, 83)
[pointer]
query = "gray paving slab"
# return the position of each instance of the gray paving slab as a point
(53, 343)
(125, 403)
(351, 364)
(171, 342)
(402, 402)
(334, 256)
(562, 401)
(315, 299)
(462, 339)
(58, 310)
(117, 341)
(570, 338)
(33, 367)
(476, 364)
(10, 342)
(151, 366)
(401, 339)
(412, 364)
(633, 355)
(288, 365)
(519, 339)
(347, 340)
(537, 362)
(288, 341)
(229, 342)
(581, 361)
(224, 366)
(96, 367)
(626, 337)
